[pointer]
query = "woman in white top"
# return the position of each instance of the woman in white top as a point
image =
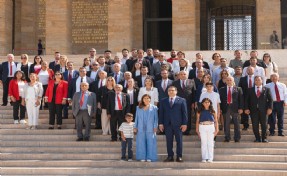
(87, 64)
(45, 75)
(271, 67)
(184, 65)
(150, 90)
(212, 66)
(32, 96)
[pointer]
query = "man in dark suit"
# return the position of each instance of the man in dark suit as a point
(163, 85)
(117, 106)
(68, 76)
(173, 121)
(7, 71)
(231, 105)
(141, 78)
(259, 104)
(199, 65)
(103, 65)
(84, 108)
(245, 83)
(186, 89)
(75, 85)
(55, 62)
(150, 57)
(94, 72)
(156, 67)
(132, 60)
(117, 74)
(200, 56)
(142, 60)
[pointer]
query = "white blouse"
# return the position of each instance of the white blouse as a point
(43, 77)
(153, 93)
(21, 85)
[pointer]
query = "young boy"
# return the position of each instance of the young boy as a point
(127, 135)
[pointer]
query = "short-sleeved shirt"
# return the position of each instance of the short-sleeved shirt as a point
(127, 129)
(213, 96)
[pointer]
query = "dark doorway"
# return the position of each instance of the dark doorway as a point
(284, 23)
(158, 24)
(228, 25)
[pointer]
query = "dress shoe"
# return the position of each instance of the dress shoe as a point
(79, 139)
(281, 134)
(179, 159)
(113, 140)
(245, 129)
(226, 140)
(50, 128)
(86, 139)
(169, 159)
(271, 134)
(257, 140)
(4, 104)
(265, 141)
(59, 127)
(236, 140)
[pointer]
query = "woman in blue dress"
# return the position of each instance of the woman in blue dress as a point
(146, 124)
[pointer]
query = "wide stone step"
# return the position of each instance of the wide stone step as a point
(192, 144)
(161, 156)
(70, 137)
(136, 171)
(154, 165)
(117, 149)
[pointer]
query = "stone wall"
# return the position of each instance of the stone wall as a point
(268, 18)
(6, 26)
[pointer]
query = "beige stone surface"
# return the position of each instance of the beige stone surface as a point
(5, 26)
(137, 23)
(119, 24)
(58, 27)
(184, 22)
(268, 18)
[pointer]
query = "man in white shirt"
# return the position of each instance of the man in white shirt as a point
(93, 74)
(279, 96)
(258, 71)
(223, 66)
(93, 53)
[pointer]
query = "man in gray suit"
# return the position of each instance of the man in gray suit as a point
(84, 108)
(156, 67)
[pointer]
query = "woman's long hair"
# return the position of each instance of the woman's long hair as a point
(141, 103)
(210, 109)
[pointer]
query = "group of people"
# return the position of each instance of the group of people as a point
(150, 95)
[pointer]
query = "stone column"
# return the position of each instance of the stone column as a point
(268, 18)
(58, 27)
(184, 24)
(119, 25)
(6, 15)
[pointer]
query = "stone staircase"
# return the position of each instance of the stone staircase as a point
(55, 152)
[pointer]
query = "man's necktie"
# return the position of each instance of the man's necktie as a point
(229, 96)
(119, 102)
(277, 93)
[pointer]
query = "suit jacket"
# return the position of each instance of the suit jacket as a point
(237, 99)
(138, 79)
(205, 65)
(150, 59)
(94, 88)
(145, 62)
(107, 69)
(92, 104)
(188, 93)
(111, 104)
(161, 93)
(61, 91)
(264, 102)
(19, 65)
(38, 88)
(52, 65)
(158, 76)
(75, 74)
(130, 63)
(192, 73)
(4, 71)
(174, 116)
(72, 87)
(58, 68)
(120, 79)
(156, 68)
(243, 83)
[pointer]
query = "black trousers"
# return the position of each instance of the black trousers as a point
(256, 118)
(53, 110)
(5, 90)
(245, 120)
(16, 105)
(116, 120)
(44, 92)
